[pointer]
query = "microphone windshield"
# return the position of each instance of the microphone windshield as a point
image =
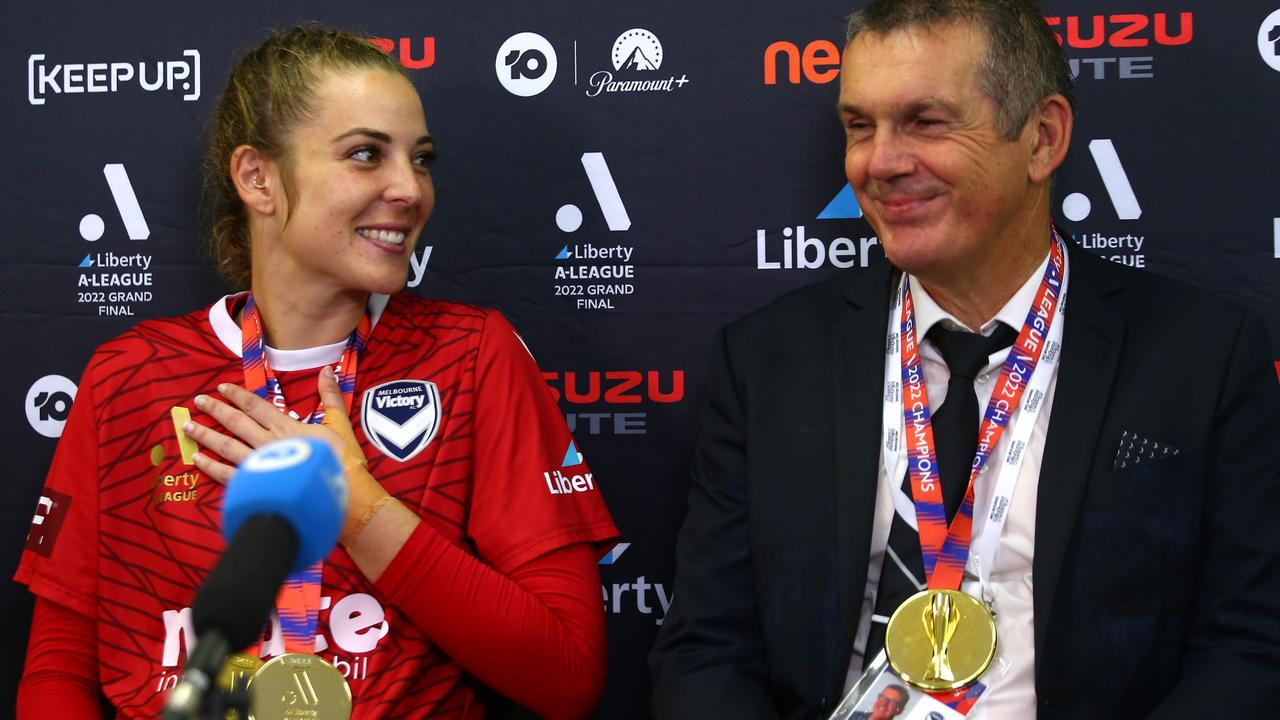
(241, 589)
(298, 480)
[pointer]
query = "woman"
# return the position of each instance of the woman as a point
(467, 559)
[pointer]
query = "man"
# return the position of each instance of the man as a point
(1133, 570)
(889, 704)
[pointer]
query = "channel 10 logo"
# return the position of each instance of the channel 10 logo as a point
(525, 64)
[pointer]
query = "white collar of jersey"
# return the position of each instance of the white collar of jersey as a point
(1013, 314)
(228, 333)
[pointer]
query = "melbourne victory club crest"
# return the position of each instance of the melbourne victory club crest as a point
(401, 417)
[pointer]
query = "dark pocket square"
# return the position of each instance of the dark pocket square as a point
(1135, 450)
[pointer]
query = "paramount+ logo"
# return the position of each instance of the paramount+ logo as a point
(818, 62)
(613, 402)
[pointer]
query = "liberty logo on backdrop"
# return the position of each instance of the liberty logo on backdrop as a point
(418, 265)
(593, 277)
(1269, 40)
(844, 206)
(800, 249)
(636, 54)
(115, 282)
(525, 64)
(1124, 248)
(636, 596)
(401, 417)
(614, 554)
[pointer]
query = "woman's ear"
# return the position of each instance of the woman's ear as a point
(256, 179)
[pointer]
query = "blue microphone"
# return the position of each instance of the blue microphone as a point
(281, 513)
(298, 480)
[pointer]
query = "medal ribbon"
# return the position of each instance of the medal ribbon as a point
(945, 550)
(298, 603)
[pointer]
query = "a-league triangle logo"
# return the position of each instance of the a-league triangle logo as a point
(401, 417)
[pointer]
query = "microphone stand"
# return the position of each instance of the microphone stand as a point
(197, 696)
(223, 703)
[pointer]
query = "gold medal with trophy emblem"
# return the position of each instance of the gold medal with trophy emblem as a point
(940, 640)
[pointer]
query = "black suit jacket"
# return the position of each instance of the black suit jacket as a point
(1156, 589)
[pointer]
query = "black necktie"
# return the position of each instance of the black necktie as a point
(955, 425)
(955, 432)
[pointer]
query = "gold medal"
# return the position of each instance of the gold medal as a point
(238, 670)
(940, 640)
(300, 685)
(237, 673)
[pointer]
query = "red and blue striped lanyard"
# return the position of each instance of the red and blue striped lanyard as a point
(945, 550)
(298, 603)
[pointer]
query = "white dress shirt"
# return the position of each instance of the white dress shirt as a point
(1011, 680)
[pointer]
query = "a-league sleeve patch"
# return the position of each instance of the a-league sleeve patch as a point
(51, 511)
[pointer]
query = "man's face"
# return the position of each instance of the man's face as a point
(889, 704)
(940, 185)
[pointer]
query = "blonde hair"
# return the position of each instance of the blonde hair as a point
(270, 92)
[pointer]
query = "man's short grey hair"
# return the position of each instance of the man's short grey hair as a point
(1024, 62)
(903, 694)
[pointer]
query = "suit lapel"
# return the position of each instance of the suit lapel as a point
(1091, 346)
(857, 380)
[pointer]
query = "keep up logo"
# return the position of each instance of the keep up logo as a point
(45, 79)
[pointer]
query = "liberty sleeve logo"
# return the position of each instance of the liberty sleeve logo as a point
(568, 482)
(51, 511)
(401, 417)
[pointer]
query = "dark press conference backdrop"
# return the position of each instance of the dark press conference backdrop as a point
(619, 178)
